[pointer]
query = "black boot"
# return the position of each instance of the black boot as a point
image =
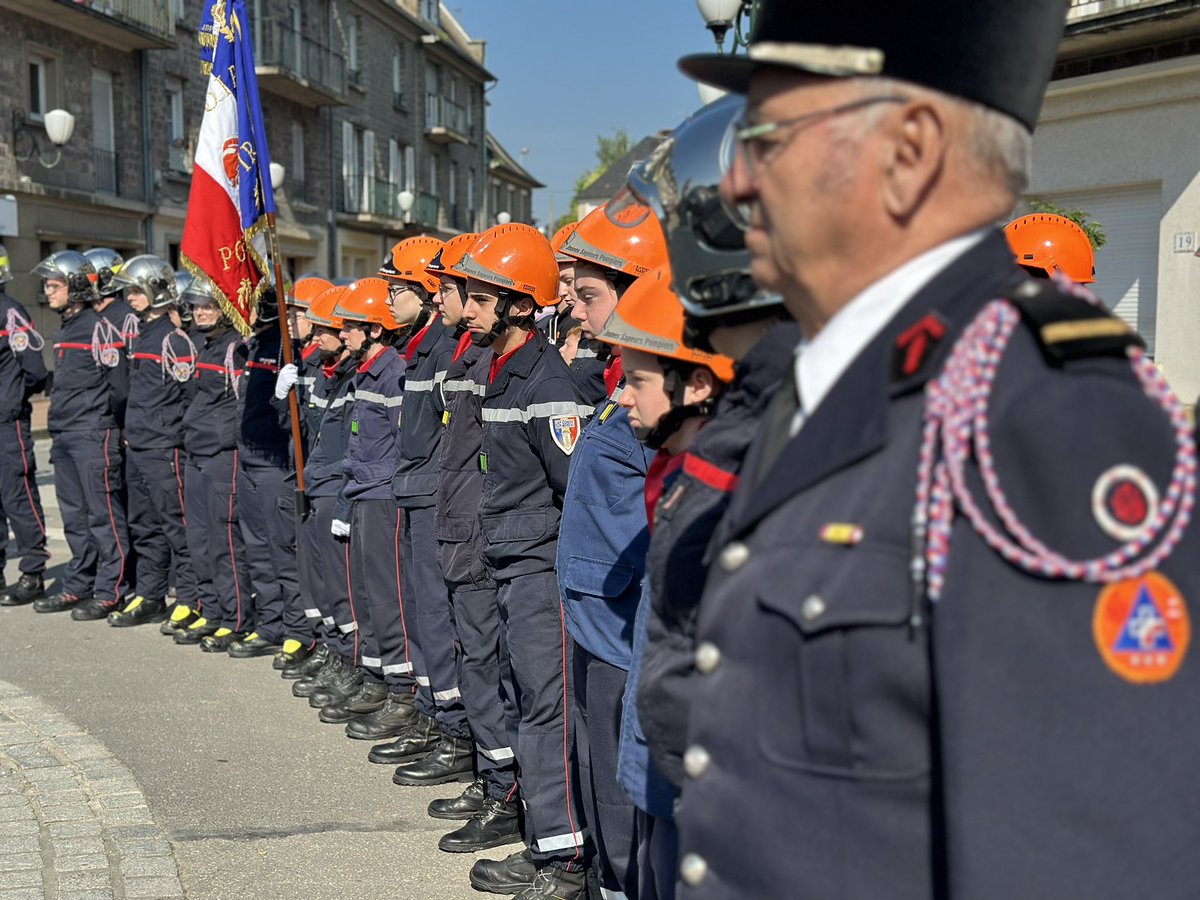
(93, 609)
(221, 640)
(340, 686)
(370, 697)
(58, 603)
(307, 665)
(138, 611)
(319, 680)
(453, 759)
(510, 875)
(555, 884)
(180, 618)
(389, 721)
(419, 738)
(464, 806)
(252, 645)
(25, 591)
(292, 653)
(497, 824)
(197, 630)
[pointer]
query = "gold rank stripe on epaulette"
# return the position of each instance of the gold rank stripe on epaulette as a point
(844, 534)
(608, 411)
(1083, 330)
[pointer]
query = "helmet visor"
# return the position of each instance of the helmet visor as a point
(626, 209)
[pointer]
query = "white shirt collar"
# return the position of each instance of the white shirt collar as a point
(820, 362)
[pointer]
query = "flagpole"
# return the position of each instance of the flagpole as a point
(285, 344)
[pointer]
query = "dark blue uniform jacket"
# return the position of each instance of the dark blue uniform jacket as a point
(332, 399)
(86, 394)
(370, 459)
(984, 748)
(212, 422)
(22, 374)
(603, 538)
(264, 436)
(460, 478)
(532, 417)
(157, 398)
(428, 353)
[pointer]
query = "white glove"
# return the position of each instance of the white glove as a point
(287, 377)
(338, 528)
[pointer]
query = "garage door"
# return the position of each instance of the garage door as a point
(1126, 266)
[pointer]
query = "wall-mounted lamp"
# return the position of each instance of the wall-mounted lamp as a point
(405, 200)
(59, 125)
(278, 173)
(503, 218)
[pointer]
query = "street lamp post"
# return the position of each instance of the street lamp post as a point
(721, 15)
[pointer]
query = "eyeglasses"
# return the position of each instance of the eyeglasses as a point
(757, 152)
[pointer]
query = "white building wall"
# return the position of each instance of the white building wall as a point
(1137, 127)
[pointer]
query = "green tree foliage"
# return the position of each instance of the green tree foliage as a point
(609, 148)
(1081, 218)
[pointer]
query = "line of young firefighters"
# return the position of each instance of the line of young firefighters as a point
(515, 452)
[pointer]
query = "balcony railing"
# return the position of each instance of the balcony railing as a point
(179, 160)
(108, 172)
(1082, 10)
(444, 116)
(84, 170)
(153, 17)
(305, 61)
(426, 210)
(377, 197)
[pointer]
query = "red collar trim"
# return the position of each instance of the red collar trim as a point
(415, 341)
(463, 343)
(499, 361)
(366, 364)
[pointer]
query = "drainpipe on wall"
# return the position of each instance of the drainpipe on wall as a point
(148, 150)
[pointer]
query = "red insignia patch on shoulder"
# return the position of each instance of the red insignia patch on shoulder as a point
(1142, 628)
(1124, 501)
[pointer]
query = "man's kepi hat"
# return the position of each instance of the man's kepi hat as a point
(996, 52)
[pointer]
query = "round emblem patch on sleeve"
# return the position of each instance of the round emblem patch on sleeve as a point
(1124, 501)
(1142, 629)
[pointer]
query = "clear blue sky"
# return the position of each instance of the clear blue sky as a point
(569, 70)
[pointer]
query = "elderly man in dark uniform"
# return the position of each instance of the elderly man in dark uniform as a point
(944, 647)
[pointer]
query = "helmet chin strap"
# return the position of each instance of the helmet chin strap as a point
(675, 417)
(503, 321)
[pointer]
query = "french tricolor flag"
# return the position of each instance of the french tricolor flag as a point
(224, 235)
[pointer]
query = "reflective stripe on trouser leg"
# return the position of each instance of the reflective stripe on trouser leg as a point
(438, 648)
(486, 686)
(145, 528)
(610, 814)
(19, 496)
(538, 650)
(162, 471)
(325, 559)
(374, 566)
(69, 472)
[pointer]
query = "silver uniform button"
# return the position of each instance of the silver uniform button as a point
(812, 608)
(734, 556)
(695, 761)
(693, 869)
(708, 657)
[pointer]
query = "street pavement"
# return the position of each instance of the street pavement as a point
(132, 767)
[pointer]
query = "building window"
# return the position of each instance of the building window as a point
(453, 195)
(470, 199)
(398, 76)
(39, 86)
(433, 176)
(351, 171)
(431, 12)
(352, 26)
(296, 181)
(176, 135)
(297, 42)
(104, 132)
(173, 254)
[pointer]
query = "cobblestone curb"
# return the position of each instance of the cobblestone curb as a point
(74, 824)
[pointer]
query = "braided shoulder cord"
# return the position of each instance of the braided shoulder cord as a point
(179, 369)
(106, 339)
(956, 426)
(130, 329)
(21, 333)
